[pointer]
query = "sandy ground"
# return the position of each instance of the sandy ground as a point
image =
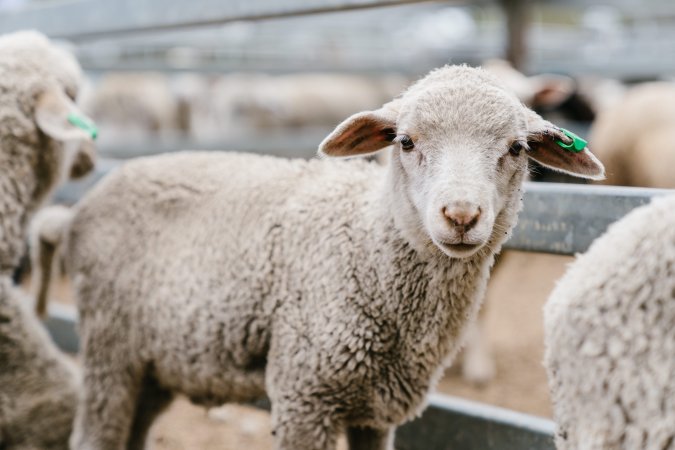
(518, 289)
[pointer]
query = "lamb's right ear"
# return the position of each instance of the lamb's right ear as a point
(551, 147)
(362, 133)
(53, 113)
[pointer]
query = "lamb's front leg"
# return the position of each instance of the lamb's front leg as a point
(370, 438)
(302, 424)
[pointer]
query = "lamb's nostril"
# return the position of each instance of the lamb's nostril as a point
(463, 217)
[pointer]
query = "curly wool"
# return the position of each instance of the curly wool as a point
(610, 338)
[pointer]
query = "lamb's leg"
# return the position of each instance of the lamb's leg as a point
(301, 426)
(106, 408)
(478, 365)
(370, 438)
(152, 401)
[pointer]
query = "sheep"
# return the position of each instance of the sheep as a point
(134, 106)
(635, 137)
(39, 146)
(44, 140)
(38, 384)
(240, 104)
(341, 289)
(610, 338)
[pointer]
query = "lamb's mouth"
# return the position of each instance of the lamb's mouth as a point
(459, 249)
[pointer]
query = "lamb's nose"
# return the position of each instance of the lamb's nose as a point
(462, 216)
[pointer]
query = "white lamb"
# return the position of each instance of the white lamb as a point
(339, 288)
(610, 338)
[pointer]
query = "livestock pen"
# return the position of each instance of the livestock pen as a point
(558, 219)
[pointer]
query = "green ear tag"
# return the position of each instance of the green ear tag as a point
(84, 124)
(577, 144)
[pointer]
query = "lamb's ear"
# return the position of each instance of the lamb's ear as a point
(59, 118)
(550, 90)
(544, 141)
(362, 133)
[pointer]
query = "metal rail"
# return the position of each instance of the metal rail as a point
(88, 19)
(566, 218)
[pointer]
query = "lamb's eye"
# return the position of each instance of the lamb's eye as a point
(406, 142)
(70, 93)
(515, 148)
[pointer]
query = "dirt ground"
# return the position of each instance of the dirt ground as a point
(518, 289)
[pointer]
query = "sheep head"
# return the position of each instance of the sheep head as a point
(460, 147)
(40, 82)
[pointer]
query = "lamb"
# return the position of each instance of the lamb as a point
(340, 288)
(635, 137)
(610, 337)
(39, 147)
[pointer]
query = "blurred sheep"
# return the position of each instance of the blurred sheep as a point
(240, 104)
(134, 106)
(45, 140)
(610, 338)
(41, 146)
(636, 137)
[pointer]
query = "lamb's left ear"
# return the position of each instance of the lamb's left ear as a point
(59, 118)
(362, 133)
(552, 148)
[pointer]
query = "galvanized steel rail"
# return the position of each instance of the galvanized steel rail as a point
(90, 19)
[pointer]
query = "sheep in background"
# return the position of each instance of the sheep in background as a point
(44, 140)
(38, 384)
(340, 288)
(243, 103)
(40, 146)
(129, 106)
(635, 138)
(610, 338)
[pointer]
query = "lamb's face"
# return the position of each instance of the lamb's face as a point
(464, 162)
(461, 143)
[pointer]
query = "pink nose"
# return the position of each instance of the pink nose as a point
(462, 216)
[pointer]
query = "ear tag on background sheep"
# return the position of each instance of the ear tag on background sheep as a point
(576, 145)
(84, 124)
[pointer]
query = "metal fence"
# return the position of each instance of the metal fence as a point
(561, 219)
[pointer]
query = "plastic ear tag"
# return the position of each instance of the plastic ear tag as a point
(84, 124)
(576, 145)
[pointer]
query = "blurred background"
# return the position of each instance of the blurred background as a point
(280, 85)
